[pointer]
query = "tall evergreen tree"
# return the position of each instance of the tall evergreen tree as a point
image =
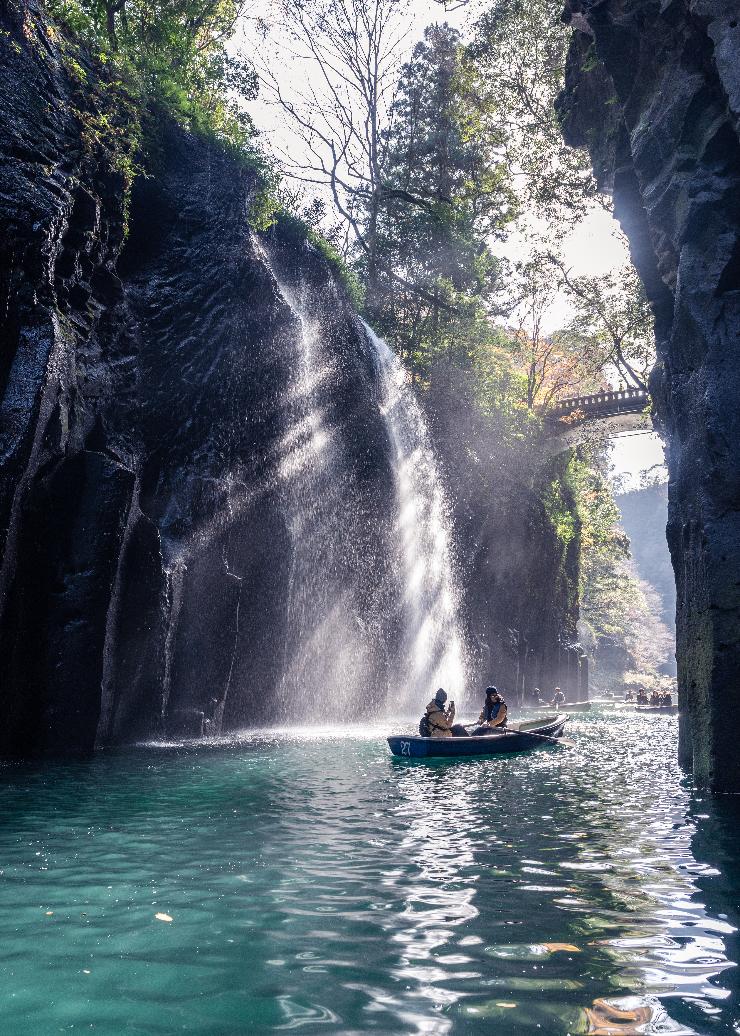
(446, 193)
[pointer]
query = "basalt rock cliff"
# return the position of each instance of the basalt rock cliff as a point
(653, 91)
(519, 563)
(148, 386)
(198, 492)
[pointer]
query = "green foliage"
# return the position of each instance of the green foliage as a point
(264, 207)
(336, 261)
(109, 115)
(445, 195)
(519, 53)
(618, 617)
(605, 546)
(500, 388)
(297, 229)
(168, 54)
(591, 60)
(558, 505)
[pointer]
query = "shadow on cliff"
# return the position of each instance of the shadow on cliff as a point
(149, 538)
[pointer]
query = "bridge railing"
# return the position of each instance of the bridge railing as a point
(621, 400)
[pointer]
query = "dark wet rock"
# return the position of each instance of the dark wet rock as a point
(157, 505)
(520, 573)
(145, 557)
(653, 91)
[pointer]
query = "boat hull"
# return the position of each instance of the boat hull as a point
(407, 746)
(664, 710)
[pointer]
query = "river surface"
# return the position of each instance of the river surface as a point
(313, 884)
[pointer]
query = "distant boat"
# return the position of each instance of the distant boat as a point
(576, 706)
(520, 738)
(666, 709)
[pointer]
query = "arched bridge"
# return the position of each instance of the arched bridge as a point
(599, 415)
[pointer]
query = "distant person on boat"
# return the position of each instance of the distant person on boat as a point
(642, 698)
(629, 696)
(558, 698)
(493, 715)
(656, 699)
(668, 699)
(439, 721)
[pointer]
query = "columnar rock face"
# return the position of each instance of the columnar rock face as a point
(519, 562)
(653, 91)
(152, 428)
(200, 526)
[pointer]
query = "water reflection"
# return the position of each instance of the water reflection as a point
(437, 814)
(316, 884)
(613, 886)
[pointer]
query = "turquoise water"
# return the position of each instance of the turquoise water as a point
(315, 884)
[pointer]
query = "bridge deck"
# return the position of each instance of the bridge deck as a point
(598, 404)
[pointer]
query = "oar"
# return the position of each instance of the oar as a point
(546, 737)
(530, 733)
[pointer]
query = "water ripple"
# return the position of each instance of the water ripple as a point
(272, 882)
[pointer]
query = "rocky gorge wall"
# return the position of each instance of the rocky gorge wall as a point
(149, 415)
(519, 563)
(653, 91)
(198, 492)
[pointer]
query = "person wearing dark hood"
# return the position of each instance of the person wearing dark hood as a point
(439, 721)
(493, 715)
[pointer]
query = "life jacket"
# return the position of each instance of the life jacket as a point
(424, 730)
(437, 722)
(491, 712)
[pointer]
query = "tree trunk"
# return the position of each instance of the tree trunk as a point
(110, 25)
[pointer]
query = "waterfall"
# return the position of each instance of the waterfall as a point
(327, 654)
(431, 650)
(371, 610)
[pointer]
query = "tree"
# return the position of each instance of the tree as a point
(446, 195)
(519, 51)
(552, 364)
(173, 53)
(613, 324)
(350, 50)
(620, 614)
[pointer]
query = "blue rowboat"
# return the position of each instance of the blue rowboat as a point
(520, 738)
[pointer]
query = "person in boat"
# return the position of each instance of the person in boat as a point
(642, 698)
(439, 721)
(668, 699)
(558, 698)
(493, 714)
(629, 696)
(656, 699)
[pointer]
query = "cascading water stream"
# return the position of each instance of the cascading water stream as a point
(371, 606)
(431, 643)
(325, 654)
